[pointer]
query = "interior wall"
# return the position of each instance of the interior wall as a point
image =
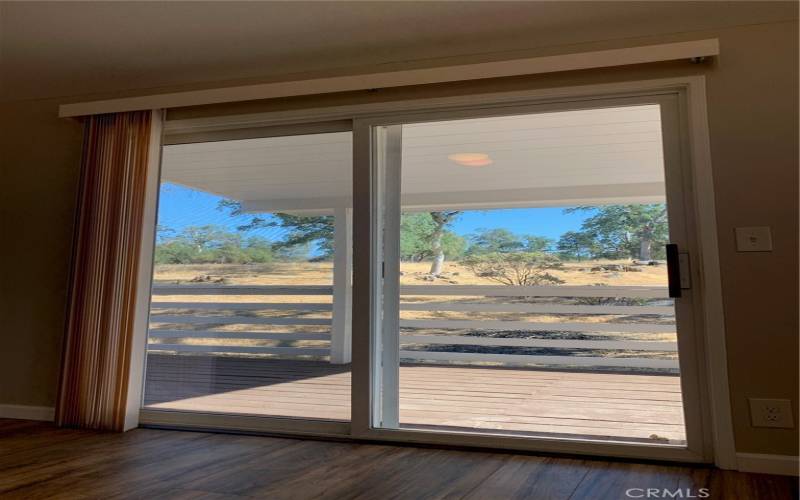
(39, 168)
(753, 115)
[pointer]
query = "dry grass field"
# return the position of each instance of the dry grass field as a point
(413, 273)
(304, 273)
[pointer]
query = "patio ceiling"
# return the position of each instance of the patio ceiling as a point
(601, 156)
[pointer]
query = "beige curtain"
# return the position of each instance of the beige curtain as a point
(96, 357)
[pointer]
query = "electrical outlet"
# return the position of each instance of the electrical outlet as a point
(771, 413)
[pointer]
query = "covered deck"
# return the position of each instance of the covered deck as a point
(605, 406)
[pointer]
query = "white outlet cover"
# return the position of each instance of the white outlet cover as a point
(771, 413)
(754, 239)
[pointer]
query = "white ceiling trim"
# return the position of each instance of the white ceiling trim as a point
(495, 69)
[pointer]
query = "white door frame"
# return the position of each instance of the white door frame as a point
(711, 332)
(341, 333)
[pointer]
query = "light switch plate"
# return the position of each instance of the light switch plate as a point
(753, 239)
(771, 413)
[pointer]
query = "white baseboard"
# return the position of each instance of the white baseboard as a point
(786, 465)
(25, 412)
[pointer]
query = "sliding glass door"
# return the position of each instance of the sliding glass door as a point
(525, 287)
(502, 276)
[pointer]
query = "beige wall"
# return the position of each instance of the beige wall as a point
(39, 164)
(753, 114)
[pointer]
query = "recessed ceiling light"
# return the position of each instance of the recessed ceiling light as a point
(471, 159)
(476, 163)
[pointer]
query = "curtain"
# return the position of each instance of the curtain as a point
(102, 290)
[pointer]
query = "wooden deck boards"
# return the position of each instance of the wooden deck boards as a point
(596, 405)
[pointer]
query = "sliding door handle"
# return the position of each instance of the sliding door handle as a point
(673, 271)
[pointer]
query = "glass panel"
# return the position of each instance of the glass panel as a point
(250, 309)
(533, 295)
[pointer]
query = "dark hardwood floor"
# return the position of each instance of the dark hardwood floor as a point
(37, 460)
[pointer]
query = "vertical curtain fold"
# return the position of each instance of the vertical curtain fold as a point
(102, 289)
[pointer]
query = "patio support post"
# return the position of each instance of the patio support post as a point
(341, 345)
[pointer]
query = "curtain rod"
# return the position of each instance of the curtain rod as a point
(443, 74)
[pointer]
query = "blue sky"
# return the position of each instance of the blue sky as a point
(180, 207)
(549, 222)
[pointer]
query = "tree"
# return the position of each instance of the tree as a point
(175, 252)
(303, 230)
(230, 251)
(537, 243)
(258, 250)
(494, 241)
(440, 220)
(416, 234)
(504, 241)
(454, 245)
(576, 245)
(202, 238)
(626, 230)
(516, 268)
(163, 232)
(211, 244)
(422, 235)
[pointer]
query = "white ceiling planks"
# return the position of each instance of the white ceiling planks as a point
(598, 156)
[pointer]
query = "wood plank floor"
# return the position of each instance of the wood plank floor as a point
(596, 405)
(38, 460)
